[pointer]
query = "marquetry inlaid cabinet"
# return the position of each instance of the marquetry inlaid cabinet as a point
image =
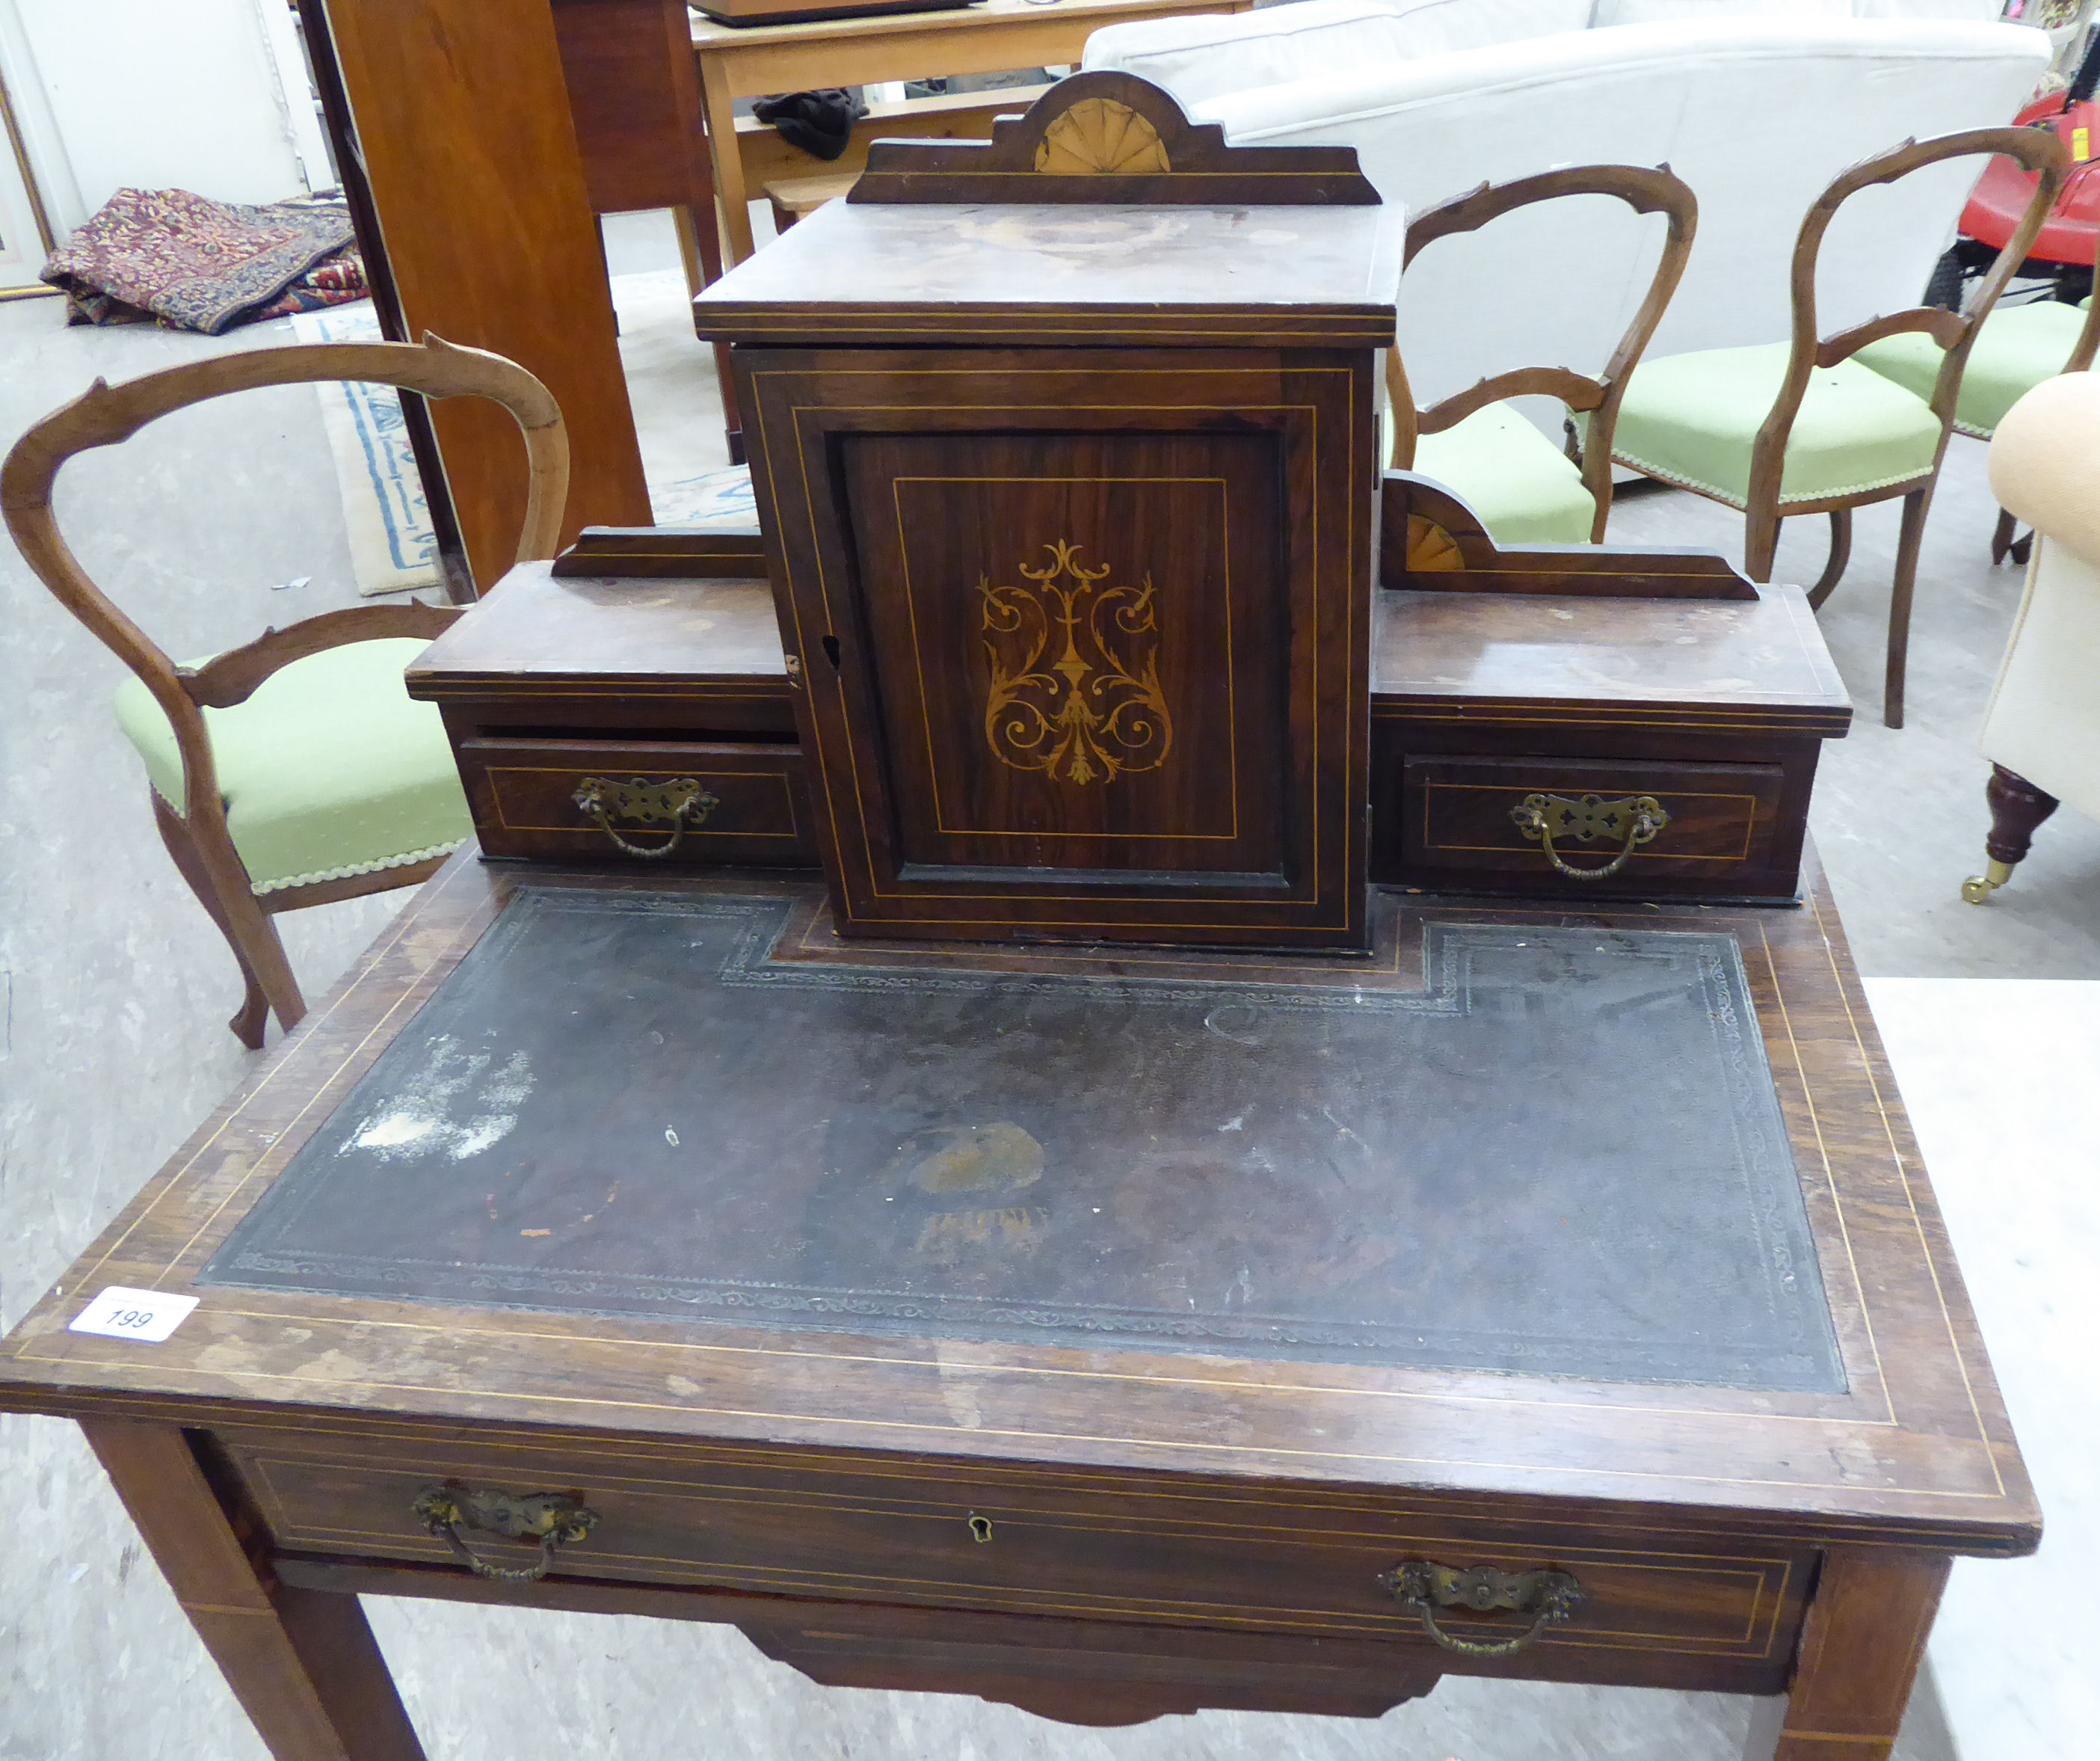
(1064, 451)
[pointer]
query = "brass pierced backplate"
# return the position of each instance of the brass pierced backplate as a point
(1631, 819)
(549, 1518)
(1548, 1597)
(1077, 720)
(679, 802)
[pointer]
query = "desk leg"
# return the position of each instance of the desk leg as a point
(702, 255)
(1859, 1653)
(303, 1663)
(719, 110)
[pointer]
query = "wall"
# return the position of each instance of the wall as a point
(160, 94)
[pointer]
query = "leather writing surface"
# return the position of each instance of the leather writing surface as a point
(1562, 1155)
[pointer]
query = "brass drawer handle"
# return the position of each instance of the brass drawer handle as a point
(1549, 1597)
(682, 801)
(552, 1517)
(1634, 818)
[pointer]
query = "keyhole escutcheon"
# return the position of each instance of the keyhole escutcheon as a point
(980, 1527)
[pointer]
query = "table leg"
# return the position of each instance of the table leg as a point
(702, 256)
(718, 110)
(689, 250)
(1859, 1653)
(303, 1663)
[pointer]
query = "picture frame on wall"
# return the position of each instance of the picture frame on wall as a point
(26, 239)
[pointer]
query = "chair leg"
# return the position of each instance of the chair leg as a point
(1916, 506)
(250, 933)
(1841, 553)
(1760, 543)
(2001, 539)
(2017, 808)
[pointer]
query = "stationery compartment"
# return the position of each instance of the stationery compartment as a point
(1588, 827)
(667, 801)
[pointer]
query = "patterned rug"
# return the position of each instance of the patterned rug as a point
(391, 547)
(191, 263)
(718, 500)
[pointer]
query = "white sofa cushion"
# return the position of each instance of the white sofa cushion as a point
(1607, 13)
(1199, 57)
(2044, 719)
(2045, 462)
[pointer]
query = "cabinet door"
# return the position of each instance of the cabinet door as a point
(1085, 636)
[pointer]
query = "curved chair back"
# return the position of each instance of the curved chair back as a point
(2035, 150)
(106, 414)
(1645, 191)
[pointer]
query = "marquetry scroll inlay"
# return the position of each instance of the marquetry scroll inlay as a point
(1096, 710)
(1430, 548)
(1101, 135)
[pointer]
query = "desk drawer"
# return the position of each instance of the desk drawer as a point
(1569, 826)
(1023, 1543)
(638, 800)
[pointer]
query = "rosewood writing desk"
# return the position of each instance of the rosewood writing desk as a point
(1554, 1292)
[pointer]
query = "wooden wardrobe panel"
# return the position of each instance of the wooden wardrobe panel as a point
(462, 117)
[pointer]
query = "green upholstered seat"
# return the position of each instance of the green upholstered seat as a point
(329, 769)
(1694, 418)
(1523, 486)
(2017, 348)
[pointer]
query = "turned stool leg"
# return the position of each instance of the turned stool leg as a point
(2017, 808)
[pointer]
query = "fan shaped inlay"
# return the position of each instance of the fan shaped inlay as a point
(1098, 135)
(1430, 548)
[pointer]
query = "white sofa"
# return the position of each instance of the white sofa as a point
(1199, 59)
(1756, 108)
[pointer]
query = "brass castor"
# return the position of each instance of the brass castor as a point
(2017, 808)
(1978, 888)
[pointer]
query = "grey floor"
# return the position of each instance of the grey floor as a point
(114, 992)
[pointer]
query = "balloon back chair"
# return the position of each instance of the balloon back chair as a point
(1524, 488)
(1784, 429)
(2017, 349)
(293, 770)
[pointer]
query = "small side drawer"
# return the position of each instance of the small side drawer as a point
(1021, 1544)
(1466, 822)
(523, 794)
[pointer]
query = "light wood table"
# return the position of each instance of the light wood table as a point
(991, 37)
